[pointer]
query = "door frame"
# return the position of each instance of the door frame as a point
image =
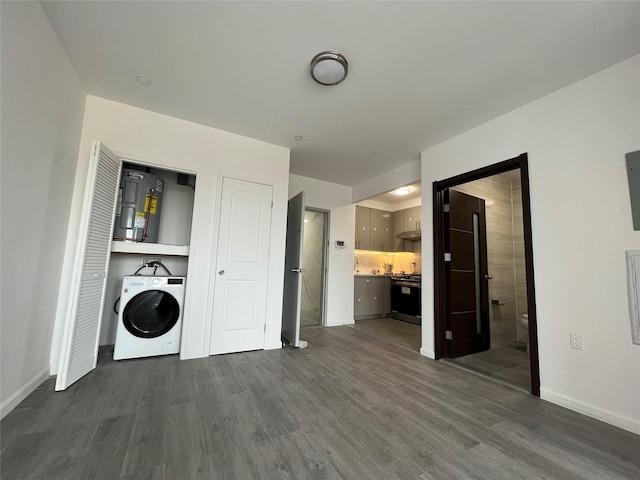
(440, 295)
(325, 259)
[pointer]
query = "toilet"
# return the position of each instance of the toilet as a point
(524, 328)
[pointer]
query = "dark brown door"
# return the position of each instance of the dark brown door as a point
(467, 276)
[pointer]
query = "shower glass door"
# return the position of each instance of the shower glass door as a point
(313, 278)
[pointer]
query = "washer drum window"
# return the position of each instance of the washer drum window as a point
(151, 314)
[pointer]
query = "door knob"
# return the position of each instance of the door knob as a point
(488, 277)
(221, 272)
(297, 270)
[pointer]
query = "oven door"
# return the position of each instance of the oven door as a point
(406, 301)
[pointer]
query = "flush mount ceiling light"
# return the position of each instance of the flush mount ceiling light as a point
(401, 191)
(329, 68)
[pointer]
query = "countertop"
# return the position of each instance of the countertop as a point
(364, 274)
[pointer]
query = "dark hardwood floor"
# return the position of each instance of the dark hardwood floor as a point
(350, 405)
(504, 362)
(501, 362)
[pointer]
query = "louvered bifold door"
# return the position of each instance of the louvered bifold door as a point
(84, 312)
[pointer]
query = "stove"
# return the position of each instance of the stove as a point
(413, 278)
(406, 301)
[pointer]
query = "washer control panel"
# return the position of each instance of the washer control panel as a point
(146, 281)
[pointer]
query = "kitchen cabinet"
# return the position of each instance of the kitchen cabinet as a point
(375, 236)
(398, 227)
(373, 229)
(386, 237)
(363, 227)
(412, 218)
(372, 297)
(405, 221)
(377, 230)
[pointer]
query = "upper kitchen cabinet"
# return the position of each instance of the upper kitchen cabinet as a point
(380, 238)
(386, 232)
(373, 229)
(412, 218)
(407, 226)
(398, 228)
(363, 227)
(375, 237)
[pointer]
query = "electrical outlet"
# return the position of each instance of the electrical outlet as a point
(151, 259)
(576, 341)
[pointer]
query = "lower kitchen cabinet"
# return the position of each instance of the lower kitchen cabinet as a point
(372, 297)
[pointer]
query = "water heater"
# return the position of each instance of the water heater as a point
(138, 207)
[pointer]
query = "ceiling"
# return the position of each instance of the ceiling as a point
(415, 191)
(419, 72)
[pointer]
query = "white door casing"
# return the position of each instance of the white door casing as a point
(241, 267)
(293, 270)
(79, 349)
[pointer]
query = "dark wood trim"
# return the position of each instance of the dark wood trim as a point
(534, 359)
(440, 299)
(439, 294)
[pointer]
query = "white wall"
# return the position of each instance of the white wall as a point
(576, 139)
(342, 217)
(42, 109)
(166, 142)
(391, 207)
(402, 175)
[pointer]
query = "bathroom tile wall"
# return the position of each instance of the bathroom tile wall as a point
(497, 193)
(312, 278)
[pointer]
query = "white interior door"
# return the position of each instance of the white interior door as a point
(84, 311)
(293, 271)
(242, 266)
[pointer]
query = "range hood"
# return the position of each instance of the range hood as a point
(410, 235)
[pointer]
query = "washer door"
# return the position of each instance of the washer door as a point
(151, 314)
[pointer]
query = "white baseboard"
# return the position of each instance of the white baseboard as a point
(609, 417)
(428, 353)
(23, 392)
(337, 323)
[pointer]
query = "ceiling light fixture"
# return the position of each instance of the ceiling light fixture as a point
(401, 191)
(329, 68)
(297, 138)
(143, 80)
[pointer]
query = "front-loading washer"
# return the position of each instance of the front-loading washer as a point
(150, 316)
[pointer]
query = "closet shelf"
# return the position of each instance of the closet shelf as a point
(150, 248)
